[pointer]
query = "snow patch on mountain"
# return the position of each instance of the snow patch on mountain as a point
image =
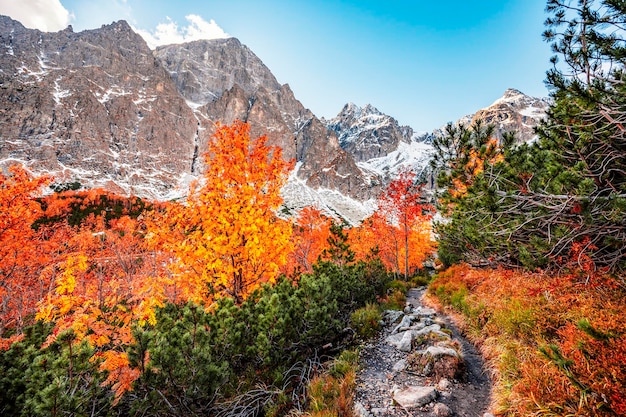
(414, 156)
(298, 195)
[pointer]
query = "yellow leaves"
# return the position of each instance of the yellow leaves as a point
(67, 282)
(233, 240)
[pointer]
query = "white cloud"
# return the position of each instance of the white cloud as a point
(169, 33)
(45, 15)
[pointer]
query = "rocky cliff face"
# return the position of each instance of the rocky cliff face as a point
(102, 108)
(367, 133)
(223, 80)
(94, 106)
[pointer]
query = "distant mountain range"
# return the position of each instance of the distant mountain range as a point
(101, 108)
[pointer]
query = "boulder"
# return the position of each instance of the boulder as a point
(403, 325)
(438, 361)
(391, 316)
(425, 312)
(415, 396)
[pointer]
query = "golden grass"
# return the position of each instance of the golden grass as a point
(553, 344)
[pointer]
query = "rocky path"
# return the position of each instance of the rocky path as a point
(419, 365)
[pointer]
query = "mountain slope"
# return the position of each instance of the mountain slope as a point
(93, 106)
(102, 108)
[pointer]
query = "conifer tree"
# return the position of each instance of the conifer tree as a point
(560, 201)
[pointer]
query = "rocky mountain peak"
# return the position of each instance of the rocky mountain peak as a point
(515, 112)
(367, 133)
(203, 70)
(7, 25)
(511, 93)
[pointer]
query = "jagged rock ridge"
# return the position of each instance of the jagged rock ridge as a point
(367, 133)
(94, 106)
(379, 144)
(513, 112)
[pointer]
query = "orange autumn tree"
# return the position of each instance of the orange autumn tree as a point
(23, 251)
(402, 205)
(310, 237)
(107, 282)
(376, 235)
(226, 238)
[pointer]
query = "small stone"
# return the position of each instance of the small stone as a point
(418, 326)
(443, 384)
(408, 309)
(406, 343)
(488, 415)
(439, 321)
(402, 341)
(415, 396)
(442, 410)
(400, 365)
(392, 316)
(438, 351)
(359, 410)
(426, 312)
(405, 323)
(429, 329)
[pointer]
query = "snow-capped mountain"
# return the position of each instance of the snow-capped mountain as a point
(379, 144)
(513, 112)
(99, 107)
(367, 133)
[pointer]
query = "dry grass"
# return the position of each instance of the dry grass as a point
(555, 345)
(331, 393)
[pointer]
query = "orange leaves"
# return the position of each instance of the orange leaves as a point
(120, 374)
(108, 280)
(310, 235)
(403, 229)
(23, 253)
(227, 238)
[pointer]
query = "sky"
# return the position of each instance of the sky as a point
(424, 62)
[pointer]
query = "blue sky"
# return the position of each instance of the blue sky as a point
(423, 62)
